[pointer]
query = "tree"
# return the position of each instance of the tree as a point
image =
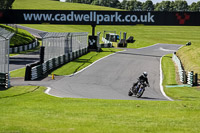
(6, 4)
(114, 3)
(124, 5)
(148, 6)
(138, 6)
(163, 6)
(195, 7)
(95, 2)
(181, 5)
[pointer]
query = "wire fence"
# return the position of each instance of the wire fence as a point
(57, 44)
(5, 37)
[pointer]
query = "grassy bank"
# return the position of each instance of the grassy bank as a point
(22, 37)
(55, 5)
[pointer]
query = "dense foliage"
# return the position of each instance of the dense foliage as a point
(134, 5)
(6, 4)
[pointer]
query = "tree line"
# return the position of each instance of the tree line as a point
(130, 5)
(134, 5)
(6, 4)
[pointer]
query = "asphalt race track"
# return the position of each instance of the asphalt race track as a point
(111, 77)
(21, 60)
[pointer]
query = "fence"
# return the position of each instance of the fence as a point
(49, 65)
(24, 47)
(190, 78)
(57, 44)
(5, 37)
(60, 48)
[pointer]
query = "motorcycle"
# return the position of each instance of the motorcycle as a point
(137, 89)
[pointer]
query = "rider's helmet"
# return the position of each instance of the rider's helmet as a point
(145, 74)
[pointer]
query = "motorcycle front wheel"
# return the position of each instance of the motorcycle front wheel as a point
(140, 92)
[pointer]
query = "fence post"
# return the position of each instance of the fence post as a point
(42, 54)
(184, 77)
(195, 81)
(28, 73)
(190, 78)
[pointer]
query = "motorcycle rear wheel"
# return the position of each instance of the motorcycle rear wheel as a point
(130, 93)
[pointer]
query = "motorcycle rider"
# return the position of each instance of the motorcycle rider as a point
(143, 78)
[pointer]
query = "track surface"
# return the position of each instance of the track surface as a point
(111, 78)
(21, 60)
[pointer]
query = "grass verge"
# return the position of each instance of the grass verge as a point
(83, 61)
(28, 109)
(176, 93)
(18, 73)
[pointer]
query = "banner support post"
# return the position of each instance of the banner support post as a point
(93, 30)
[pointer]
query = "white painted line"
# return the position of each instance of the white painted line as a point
(94, 63)
(162, 49)
(149, 46)
(161, 81)
(48, 90)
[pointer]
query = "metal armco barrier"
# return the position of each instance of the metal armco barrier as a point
(24, 47)
(190, 78)
(41, 70)
(186, 78)
(180, 68)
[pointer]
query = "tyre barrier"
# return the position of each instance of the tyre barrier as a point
(39, 70)
(186, 78)
(107, 43)
(190, 78)
(24, 47)
(4, 80)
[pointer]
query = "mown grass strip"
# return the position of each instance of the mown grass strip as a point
(83, 61)
(18, 73)
(177, 93)
(168, 70)
(27, 109)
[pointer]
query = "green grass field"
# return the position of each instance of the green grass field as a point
(28, 109)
